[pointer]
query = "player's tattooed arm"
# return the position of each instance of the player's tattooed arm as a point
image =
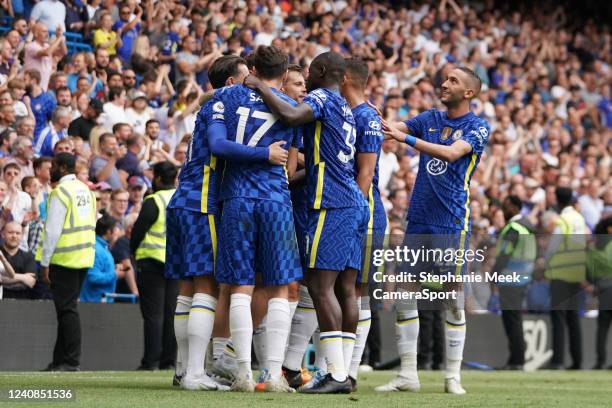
(447, 153)
(289, 115)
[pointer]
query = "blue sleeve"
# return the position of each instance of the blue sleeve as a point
(316, 101)
(297, 138)
(369, 135)
(99, 274)
(220, 146)
(477, 136)
(52, 104)
(417, 124)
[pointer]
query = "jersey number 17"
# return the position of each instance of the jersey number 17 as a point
(244, 113)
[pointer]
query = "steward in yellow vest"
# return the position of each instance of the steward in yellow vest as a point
(515, 258)
(157, 295)
(566, 269)
(65, 255)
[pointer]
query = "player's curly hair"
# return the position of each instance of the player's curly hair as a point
(270, 62)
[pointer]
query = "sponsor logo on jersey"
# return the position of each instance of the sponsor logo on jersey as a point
(436, 167)
(218, 107)
(483, 131)
(319, 96)
(457, 134)
(446, 133)
(432, 130)
(374, 125)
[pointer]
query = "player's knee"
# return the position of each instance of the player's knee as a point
(293, 291)
(280, 291)
(407, 309)
(205, 284)
(186, 287)
(455, 317)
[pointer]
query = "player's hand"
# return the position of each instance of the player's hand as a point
(277, 155)
(251, 81)
(391, 132)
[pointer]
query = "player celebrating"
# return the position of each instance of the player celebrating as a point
(191, 229)
(257, 223)
(367, 146)
(294, 86)
(450, 145)
(338, 216)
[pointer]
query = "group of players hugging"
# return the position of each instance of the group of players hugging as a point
(277, 212)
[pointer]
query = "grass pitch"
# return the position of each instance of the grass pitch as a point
(485, 389)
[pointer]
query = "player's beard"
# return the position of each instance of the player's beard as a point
(452, 100)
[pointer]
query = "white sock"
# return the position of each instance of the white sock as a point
(363, 328)
(407, 329)
(277, 331)
(218, 346)
(348, 345)
(259, 343)
(455, 340)
(241, 328)
(331, 346)
(181, 319)
(292, 308)
(199, 329)
(320, 363)
(303, 325)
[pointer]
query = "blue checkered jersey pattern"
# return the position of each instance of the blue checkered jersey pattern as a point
(441, 195)
(329, 152)
(198, 181)
(249, 121)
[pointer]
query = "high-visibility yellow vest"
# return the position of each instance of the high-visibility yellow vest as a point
(568, 263)
(522, 253)
(154, 243)
(75, 248)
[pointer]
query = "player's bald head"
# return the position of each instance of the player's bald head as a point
(326, 70)
(470, 79)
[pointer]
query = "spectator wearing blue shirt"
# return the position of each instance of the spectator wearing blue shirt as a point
(101, 278)
(128, 30)
(42, 103)
(54, 132)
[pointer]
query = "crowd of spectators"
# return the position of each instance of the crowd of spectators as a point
(131, 102)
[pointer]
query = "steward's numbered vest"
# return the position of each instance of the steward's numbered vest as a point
(522, 253)
(569, 260)
(75, 248)
(154, 243)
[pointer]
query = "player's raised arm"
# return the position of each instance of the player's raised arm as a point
(447, 153)
(289, 115)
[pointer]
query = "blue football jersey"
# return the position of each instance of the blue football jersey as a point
(369, 140)
(198, 180)
(441, 194)
(249, 121)
(329, 152)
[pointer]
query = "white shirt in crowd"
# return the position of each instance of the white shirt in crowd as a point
(51, 13)
(112, 115)
(388, 165)
(138, 120)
